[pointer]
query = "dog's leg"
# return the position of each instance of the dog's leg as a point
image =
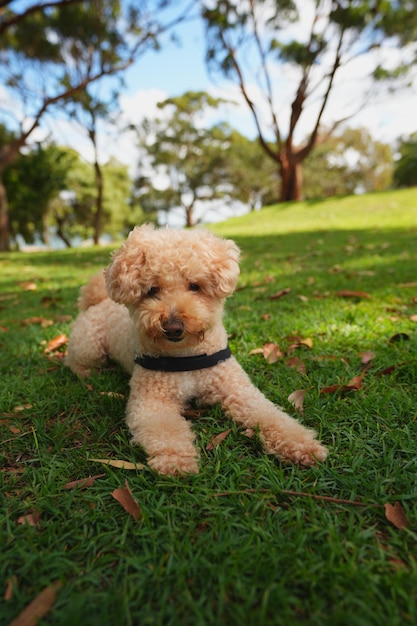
(281, 434)
(155, 421)
(85, 347)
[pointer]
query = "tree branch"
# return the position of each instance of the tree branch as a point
(18, 17)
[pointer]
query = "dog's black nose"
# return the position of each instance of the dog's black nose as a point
(173, 329)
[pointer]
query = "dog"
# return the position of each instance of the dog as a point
(157, 309)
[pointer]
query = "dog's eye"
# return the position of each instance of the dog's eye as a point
(193, 287)
(153, 291)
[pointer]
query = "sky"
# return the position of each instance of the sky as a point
(180, 67)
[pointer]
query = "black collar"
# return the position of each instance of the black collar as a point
(182, 363)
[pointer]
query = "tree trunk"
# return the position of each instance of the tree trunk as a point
(291, 181)
(4, 219)
(60, 231)
(189, 215)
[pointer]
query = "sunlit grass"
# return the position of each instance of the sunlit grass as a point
(228, 546)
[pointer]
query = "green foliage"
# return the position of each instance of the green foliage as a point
(405, 173)
(346, 162)
(229, 546)
(33, 181)
(52, 191)
(199, 162)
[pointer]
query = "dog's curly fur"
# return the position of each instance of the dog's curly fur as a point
(163, 295)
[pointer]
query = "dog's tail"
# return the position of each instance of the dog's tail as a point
(93, 292)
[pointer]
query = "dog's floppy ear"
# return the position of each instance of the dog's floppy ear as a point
(224, 267)
(124, 279)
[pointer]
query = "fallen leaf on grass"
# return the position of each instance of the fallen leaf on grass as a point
(3, 329)
(396, 515)
(347, 293)
(408, 285)
(124, 496)
(413, 318)
(28, 285)
(111, 394)
(55, 343)
(11, 585)
(38, 608)
(33, 519)
(299, 342)
(367, 356)
(280, 294)
(271, 352)
(217, 439)
(42, 321)
(297, 364)
(82, 483)
(119, 464)
(297, 399)
(353, 385)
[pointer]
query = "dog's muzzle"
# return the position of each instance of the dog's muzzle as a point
(173, 329)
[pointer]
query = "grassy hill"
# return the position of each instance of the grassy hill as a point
(328, 300)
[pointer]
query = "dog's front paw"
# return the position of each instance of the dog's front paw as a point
(173, 464)
(301, 448)
(308, 454)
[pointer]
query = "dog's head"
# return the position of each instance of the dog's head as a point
(173, 282)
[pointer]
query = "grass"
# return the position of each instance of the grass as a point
(231, 545)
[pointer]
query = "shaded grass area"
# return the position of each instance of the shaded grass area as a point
(229, 546)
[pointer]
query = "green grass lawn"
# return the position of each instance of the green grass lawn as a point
(249, 541)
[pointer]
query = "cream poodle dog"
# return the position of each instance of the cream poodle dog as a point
(157, 310)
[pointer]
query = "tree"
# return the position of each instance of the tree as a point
(51, 51)
(251, 173)
(405, 172)
(72, 212)
(248, 41)
(349, 161)
(190, 159)
(34, 181)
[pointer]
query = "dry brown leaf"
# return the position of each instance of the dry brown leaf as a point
(111, 394)
(272, 352)
(396, 515)
(367, 356)
(299, 342)
(407, 285)
(38, 608)
(37, 320)
(331, 389)
(3, 329)
(124, 496)
(347, 293)
(297, 364)
(82, 483)
(297, 399)
(55, 343)
(119, 464)
(22, 407)
(11, 585)
(413, 318)
(280, 294)
(33, 519)
(28, 285)
(355, 383)
(217, 439)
